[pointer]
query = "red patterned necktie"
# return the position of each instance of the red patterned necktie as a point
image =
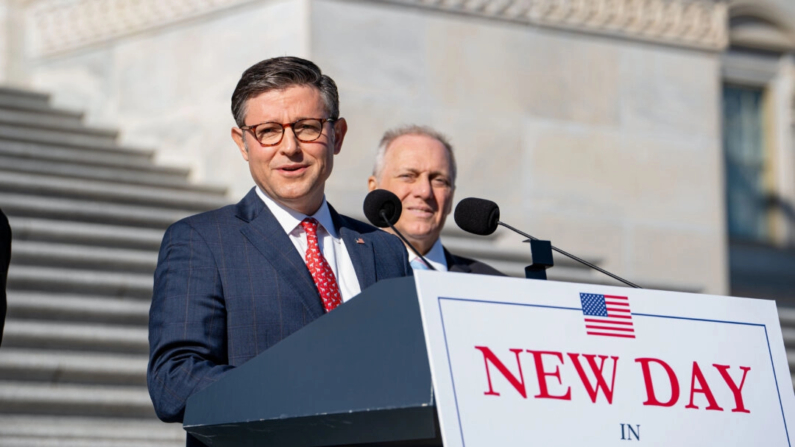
(319, 269)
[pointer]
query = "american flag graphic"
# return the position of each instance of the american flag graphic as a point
(607, 315)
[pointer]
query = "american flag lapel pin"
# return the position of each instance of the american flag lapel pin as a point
(360, 241)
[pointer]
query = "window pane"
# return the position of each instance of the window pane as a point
(743, 147)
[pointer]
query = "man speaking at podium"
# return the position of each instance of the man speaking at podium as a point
(417, 164)
(233, 282)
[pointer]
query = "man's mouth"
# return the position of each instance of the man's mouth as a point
(294, 169)
(420, 211)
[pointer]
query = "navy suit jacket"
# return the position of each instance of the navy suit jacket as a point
(230, 284)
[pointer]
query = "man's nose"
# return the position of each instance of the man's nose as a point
(290, 144)
(423, 188)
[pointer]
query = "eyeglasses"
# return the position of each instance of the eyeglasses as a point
(271, 134)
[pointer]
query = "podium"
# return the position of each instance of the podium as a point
(357, 376)
(497, 361)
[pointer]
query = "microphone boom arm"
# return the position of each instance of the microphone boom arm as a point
(582, 261)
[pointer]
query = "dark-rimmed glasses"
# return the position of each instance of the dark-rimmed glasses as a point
(271, 134)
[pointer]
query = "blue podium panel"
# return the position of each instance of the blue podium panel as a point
(356, 376)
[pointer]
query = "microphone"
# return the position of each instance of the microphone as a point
(478, 216)
(481, 217)
(381, 200)
(383, 208)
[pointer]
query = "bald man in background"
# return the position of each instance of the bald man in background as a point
(417, 164)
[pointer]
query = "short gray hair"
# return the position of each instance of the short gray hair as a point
(412, 129)
(280, 73)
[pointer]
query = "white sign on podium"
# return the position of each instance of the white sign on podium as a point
(519, 362)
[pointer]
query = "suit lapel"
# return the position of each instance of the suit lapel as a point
(269, 238)
(453, 265)
(360, 249)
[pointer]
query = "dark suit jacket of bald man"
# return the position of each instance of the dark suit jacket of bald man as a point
(466, 265)
(230, 284)
(5, 259)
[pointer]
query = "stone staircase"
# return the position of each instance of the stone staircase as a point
(87, 218)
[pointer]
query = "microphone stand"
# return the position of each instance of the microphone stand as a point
(383, 216)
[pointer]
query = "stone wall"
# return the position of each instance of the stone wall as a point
(607, 146)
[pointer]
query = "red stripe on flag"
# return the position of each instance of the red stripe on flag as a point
(629, 329)
(591, 320)
(613, 303)
(611, 335)
(617, 310)
(627, 317)
(617, 297)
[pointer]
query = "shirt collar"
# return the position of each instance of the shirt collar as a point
(289, 218)
(435, 256)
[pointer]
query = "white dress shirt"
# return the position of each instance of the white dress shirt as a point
(331, 245)
(435, 256)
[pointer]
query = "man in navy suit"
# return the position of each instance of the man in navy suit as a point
(233, 282)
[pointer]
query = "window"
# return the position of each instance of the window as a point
(747, 164)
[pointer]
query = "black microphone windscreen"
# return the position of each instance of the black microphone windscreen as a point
(478, 216)
(382, 200)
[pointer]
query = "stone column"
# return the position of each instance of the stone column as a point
(12, 54)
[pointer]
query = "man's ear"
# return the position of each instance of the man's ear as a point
(340, 129)
(237, 136)
(372, 183)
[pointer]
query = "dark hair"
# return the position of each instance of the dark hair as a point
(280, 73)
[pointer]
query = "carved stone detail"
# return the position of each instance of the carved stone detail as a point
(61, 25)
(692, 23)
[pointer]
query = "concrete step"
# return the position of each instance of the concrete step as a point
(154, 176)
(788, 334)
(61, 138)
(45, 116)
(108, 157)
(31, 206)
(13, 92)
(84, 282)
(786, 316)
(69, 431)
(43, 230)
(24, 305)
(34, 365)
(113, 192)
(41, 121)
(23, 100)
(33, 334)
(74, 400)
(15, 441)
(83, 257)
